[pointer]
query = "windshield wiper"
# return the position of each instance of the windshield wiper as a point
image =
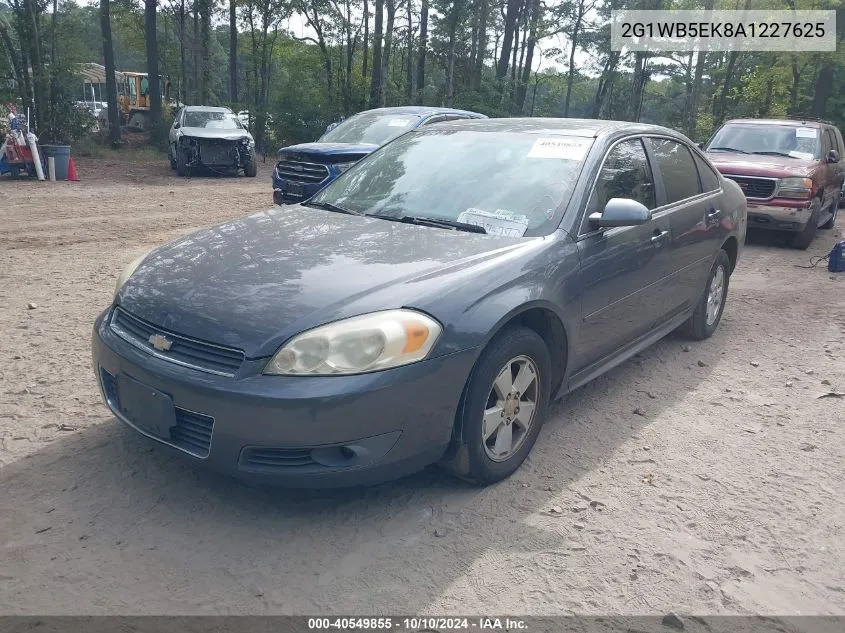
(435, 222)
(727, 149)
(328, 206)
(774, 153)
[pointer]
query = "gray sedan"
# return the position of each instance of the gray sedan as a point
(426, 307)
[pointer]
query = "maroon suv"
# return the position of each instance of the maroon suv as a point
(789, 170)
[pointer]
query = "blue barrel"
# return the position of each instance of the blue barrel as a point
(62, 155)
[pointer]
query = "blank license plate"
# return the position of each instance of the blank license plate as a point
(149, 409)
(295, 189)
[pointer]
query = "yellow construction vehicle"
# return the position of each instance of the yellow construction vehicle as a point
(134, 97)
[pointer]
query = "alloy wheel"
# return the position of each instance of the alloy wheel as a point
(511, 408)
(715, 294)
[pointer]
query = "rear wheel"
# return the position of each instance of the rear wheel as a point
(802, 240)
(171, 155)
(708, 313)
(503, 409)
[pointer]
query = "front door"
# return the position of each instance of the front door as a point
(622, 269)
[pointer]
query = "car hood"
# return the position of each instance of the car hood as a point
(761, 165)
(252, 283)
(323, 151)
(226, 135)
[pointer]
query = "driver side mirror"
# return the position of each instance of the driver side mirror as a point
(621, 212)
(701, 146)
(833, 156)
(176, 125)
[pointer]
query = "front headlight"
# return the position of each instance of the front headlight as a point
(800, 188)
(127, 272)
(357, 345)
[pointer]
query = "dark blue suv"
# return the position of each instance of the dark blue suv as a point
(304, 169)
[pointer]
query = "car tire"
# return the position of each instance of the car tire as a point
(251, 169)
(493, 430)
(834, 210)
(802, 240)
(708, 311)
(181, 163)
(170, 156)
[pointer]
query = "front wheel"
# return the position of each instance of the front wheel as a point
(503, 409)
(834, 210)
(181, 162)
(251, 168)
(708, 312)
(802, 240)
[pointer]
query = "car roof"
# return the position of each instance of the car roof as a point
(587, 128)
(800, 122)
(422, 111)
(206, 109)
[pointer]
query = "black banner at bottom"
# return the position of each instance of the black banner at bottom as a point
(670, 623)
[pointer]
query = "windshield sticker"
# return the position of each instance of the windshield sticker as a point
(804, 155)
(500, 222)
(806, 132)
(560, 147)
(399, 123)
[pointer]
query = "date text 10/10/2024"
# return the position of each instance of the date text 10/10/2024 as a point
(417, 624)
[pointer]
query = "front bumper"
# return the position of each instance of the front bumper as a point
(295, 431)
(778, 217)
(287, 192)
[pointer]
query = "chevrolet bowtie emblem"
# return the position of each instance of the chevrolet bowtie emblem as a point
(160, 342)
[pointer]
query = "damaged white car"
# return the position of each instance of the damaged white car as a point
(213, 138)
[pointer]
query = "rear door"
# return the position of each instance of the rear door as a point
(623, 268)
(689, 194)
(833, 184)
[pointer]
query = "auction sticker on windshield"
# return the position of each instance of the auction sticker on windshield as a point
(560, 147)
(498, 223)
(399, 123)
(805, 132)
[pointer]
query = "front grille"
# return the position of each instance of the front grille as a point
(276, 458)
(184, 351)
(754, 187)
(218, 153)
(299, 171)
(192, 432)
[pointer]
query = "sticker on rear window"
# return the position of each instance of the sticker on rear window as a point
(500, 222)
(399, 123)
(806, 132)
(559, 147)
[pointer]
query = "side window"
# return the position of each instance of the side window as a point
(625, 174)
(680, 176)
(831, 141)
(709, 179)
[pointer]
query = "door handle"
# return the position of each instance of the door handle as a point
(714, 214)
(659, 237)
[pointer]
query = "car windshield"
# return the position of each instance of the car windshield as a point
(213, 120)
(795, 141)
(375, 128)
(509, 183)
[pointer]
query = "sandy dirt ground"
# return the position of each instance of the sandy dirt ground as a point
(721, 494)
